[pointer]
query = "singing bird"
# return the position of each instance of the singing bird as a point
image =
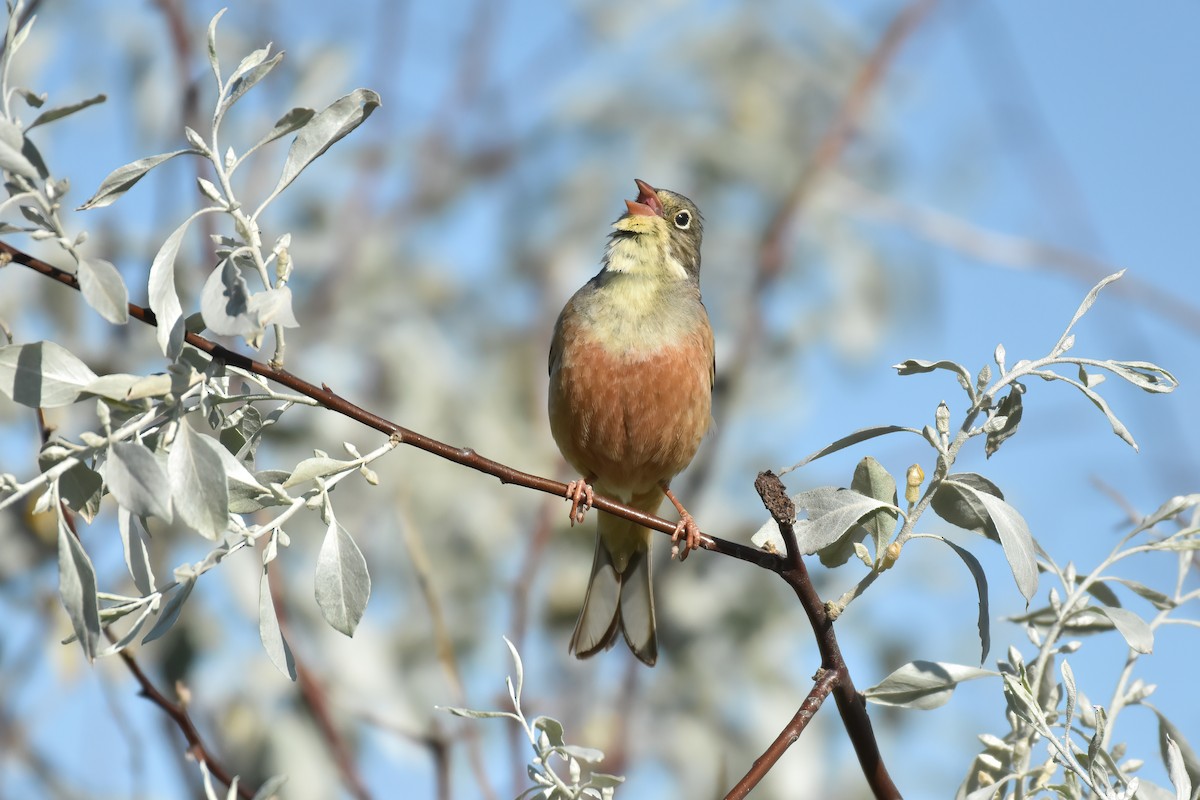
(631, 377)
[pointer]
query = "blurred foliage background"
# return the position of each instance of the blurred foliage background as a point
(893, 180)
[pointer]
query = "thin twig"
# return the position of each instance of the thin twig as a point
(808, 709)
(179, 715)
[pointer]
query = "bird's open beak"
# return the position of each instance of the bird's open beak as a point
(647, 203)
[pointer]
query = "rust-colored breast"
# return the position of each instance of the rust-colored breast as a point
(632, 419)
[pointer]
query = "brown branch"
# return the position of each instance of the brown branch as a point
(851, 705)
(179, 715)
(459, 455)
(808, 709)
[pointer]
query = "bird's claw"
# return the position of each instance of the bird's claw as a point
(689, 532)
(581, 496)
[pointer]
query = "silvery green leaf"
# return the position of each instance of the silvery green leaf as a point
(51, 114)
(164, 300)
(1138, 635)
(915, 366)
(343, 584)
(1168, 731)
(999, 356)
(519, 668)
(1144, 375)
(872, 480)
(170, 610)
(316, 467)
(471, 713)
(1009, 409)
(961, 508)
(1007, 524)
(1177, 771)
(82, 490)
(42, 375)
(552, 728)
(125, 388)
(252, 70)
(1118, 427)
(269, 790)
(923, 684)
(212, 45)
(983, 623)
(831, 514)
(268, 630)
(131, 633)
(1160, 601)
(12, 151)
(1171, 508)
(198, 486)
(1083, 308)
(104, 290)
(77, 587)
(33, 99)
(137, 480)
(587, 755)
(323, 130)
(1068, 677)
(231, 310)
(137, 554)
(293, 120)
(122, 179)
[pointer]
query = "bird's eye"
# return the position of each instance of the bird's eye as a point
(682, 220)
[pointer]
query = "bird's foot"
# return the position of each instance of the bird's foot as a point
(689, 532)
(581, 496)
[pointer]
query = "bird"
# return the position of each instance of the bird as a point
(632, 364)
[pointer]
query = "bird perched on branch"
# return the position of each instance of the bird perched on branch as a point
(631, 377)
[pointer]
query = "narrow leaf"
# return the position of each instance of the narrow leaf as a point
(12, 155)
(1138, 635)
(1084, 306)
(164, 300)
(137, 554)
(122, 179)
(1168, 731)
(1177, 771)
(51, 114)
(198, 487)
(293, 120)
(316, 467)
(859, 436)
(42, 375)
(252, 70)
(104, 289)
(981, 589)
(960, 507)
(342, 582)
(77, 588)
(324, 129)
(923, 684)
(212, 45)
(170, 610)
(914, 366)
(137, 480)
(268, 630)
(1010, 527)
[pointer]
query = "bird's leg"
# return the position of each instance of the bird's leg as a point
(687, 529)
(581, 496)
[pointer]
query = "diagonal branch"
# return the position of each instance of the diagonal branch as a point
(834, 672)
(459, 455)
